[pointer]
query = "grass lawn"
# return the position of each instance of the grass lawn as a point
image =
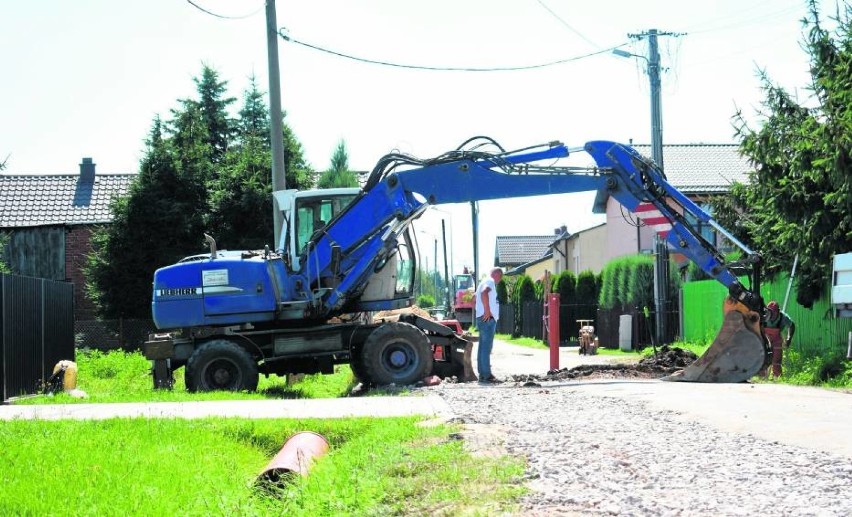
(138, 466)
(207, 467)
(125, 377)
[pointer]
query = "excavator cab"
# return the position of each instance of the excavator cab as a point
(306, 213)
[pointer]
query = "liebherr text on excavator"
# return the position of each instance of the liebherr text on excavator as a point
(304, 306)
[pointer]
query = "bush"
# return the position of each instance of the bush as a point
(566, 285)
(524, 291)
(640, 282)
(629, 282)
(425, 300)
(502, 292)
(803, 369)
(586, 295)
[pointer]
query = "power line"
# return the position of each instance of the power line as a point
(567, 26)
(741, 21)
(224, 17)
(446, 68)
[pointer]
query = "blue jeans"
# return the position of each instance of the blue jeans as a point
(487, 329)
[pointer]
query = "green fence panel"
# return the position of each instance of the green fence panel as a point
(818, 332)
(702, 309)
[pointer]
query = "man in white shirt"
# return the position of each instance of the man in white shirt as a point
(487, 314)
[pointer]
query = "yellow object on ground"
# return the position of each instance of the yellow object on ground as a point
(69, 380)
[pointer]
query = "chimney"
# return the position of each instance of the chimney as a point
(87, 170)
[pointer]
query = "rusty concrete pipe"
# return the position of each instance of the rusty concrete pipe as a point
(295, 457)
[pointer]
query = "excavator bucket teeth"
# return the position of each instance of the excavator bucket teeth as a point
(736, 355)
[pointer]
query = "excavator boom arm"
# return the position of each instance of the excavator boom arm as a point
(366, 232)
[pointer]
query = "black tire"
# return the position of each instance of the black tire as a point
(356, 362)
(397, 353)
(220, 365)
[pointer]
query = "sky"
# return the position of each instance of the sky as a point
(86, 78)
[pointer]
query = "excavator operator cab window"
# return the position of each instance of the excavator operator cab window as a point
(406, 263)
(313, 213)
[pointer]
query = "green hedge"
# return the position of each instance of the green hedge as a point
(524, 291)
(502, 292)
(629, 282)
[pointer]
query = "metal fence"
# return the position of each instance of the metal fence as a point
(36, 331)
(569, 327)
(123, 334)
(642, 329)
(507, 319)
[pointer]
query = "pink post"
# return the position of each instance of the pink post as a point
(553, 326)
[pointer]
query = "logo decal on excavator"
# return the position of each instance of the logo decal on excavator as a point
(181, 291)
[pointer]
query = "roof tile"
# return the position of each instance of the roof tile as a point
(520, 249)
(702, 168)
(58, 199)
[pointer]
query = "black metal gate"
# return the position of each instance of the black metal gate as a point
(36, 331)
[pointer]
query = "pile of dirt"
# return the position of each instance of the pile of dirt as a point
(669, 357)
(667, 361)
(394, 314)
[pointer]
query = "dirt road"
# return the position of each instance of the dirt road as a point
(813, 418)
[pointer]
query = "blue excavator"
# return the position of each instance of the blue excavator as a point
(345, 254)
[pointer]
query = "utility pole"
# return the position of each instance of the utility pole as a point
(276, 129)
(435, 276)
(661, 264)
(653, 61)
(446, 268)
(474, 217)
(656, 109)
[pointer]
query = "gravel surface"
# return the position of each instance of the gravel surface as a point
(591, 454)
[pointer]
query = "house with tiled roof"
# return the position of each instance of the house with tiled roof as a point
(511, 251)
(49, 219)
(702, 169)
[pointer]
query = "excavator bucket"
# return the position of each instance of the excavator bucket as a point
(737, 353)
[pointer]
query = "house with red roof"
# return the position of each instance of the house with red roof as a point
(49, 219)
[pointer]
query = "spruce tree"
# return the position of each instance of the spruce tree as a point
(213, 104)
(338, 175)
(156, 224)
(799, 201)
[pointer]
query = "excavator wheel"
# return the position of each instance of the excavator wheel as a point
(356, 362)
(737, 353)
(397, 353)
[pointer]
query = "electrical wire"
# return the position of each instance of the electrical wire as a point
(287, 38)
(743, 21)
(224, 17)
(567, 26)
